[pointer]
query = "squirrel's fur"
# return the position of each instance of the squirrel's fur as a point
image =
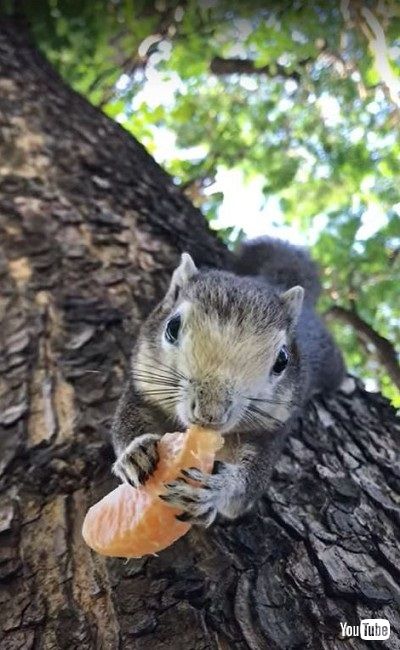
(241, 353)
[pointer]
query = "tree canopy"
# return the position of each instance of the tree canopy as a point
(303, 95)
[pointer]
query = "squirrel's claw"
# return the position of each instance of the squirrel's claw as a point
(222, 492)
(200, 503)
(196, 503)
(196, 475)
(205, 519)
(138, 461)
(204, 478)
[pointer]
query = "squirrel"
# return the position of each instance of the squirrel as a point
(240, 353)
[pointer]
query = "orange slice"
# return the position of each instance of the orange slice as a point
(131, 522)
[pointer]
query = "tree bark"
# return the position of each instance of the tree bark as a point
(90, 229)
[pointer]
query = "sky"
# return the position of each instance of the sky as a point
(244, 205)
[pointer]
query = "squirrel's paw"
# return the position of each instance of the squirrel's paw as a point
(138, 461)
(218, 493)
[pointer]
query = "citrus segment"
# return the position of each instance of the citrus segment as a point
(130, 522)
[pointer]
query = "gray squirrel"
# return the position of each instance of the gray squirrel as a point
(240, 353)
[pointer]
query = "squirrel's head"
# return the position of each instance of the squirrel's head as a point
(219, 351)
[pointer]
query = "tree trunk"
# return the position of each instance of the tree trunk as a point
(90, 230)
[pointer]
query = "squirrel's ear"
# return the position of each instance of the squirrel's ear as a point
(293, 301)
(182, 274)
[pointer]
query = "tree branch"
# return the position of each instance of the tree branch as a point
(134, 61)
(357, 15)
(220, 67)
(385, 351)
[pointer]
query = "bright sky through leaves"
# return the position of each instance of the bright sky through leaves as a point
(279, 118)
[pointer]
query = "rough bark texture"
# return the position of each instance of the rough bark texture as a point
(90, 229)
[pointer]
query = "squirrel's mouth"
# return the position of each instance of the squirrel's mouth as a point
(215, 426)
(219, 418)
(220, 427)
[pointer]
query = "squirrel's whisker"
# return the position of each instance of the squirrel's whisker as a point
(167, 393)
(267, 401)
(170, 399)
(147, 370)
(158, 363)
(159, 381)
(262, 413)
(247, 419)
(257, 422)
(157, 385)
(161, 391)
(156, 372)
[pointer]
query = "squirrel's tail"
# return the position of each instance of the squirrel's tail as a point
(280, 263)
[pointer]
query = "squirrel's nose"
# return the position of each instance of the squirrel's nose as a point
(208, 415)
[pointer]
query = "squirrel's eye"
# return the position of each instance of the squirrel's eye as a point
(281, 361)
(172, 329)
